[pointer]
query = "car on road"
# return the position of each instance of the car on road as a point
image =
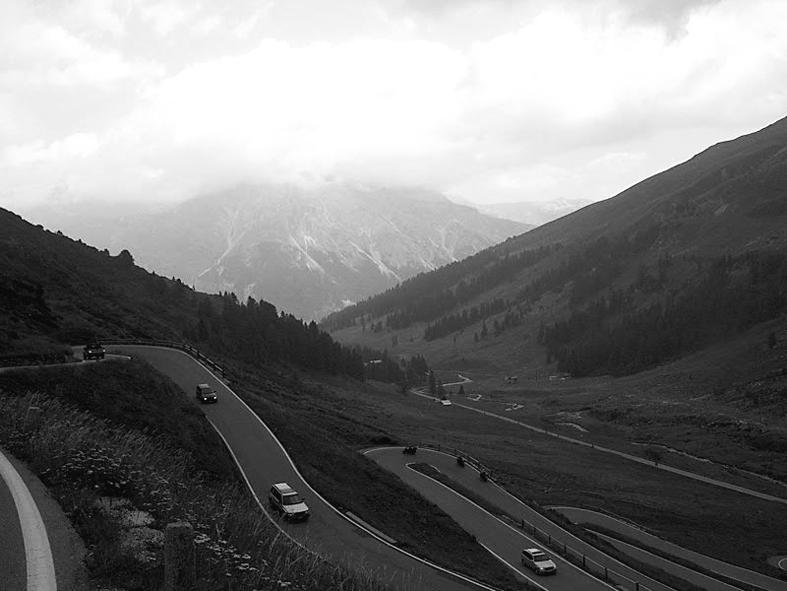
(536, 560)
(93, 351)
(206, 393)
(288, 503)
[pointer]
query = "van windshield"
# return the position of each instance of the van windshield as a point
(540, 557)
(292, 499)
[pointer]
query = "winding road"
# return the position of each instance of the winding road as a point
(264, 461)
(607, 450)
(590, 518)
(13, 571)
(496, 529)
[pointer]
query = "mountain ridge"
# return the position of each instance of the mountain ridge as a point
(307, 251)
(708, 232)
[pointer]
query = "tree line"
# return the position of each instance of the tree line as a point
(613, 335)
(254, 332)
(426, 296)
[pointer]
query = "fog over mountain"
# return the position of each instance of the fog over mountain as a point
(308, 251)
(533, 213)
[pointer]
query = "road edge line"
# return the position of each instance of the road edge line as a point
(38, 554)
(568, 533)
(342, 515)
(637, 526)
(509, 526)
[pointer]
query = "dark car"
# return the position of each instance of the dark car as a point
(206, 393)
(93, 351)
(288, 503)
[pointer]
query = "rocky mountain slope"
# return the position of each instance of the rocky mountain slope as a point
(309, 252)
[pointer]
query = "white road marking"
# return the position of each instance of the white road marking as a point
(638, 459)
(457, 575)
(622, 543)
(38, 554)
(512, 567)
(513, 529)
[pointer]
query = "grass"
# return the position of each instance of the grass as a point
(654, 573)
(324, 442)
(550, 472)
(121, 485)
(128, 393)
(674, 558)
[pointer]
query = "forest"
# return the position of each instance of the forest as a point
(613, 335)
(427, 296)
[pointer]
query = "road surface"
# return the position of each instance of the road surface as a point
(394, 460)
(33, 568)
(633, 458)
(501, 538)
(585, 516)
(263, 462)
(13, 573)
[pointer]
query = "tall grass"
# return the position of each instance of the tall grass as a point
(120, 487)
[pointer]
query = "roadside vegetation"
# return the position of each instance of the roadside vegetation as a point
(674, 558)
(547, 471)
(325, 441)
(655, 573)
(133, 463)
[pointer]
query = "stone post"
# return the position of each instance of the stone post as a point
(179, 558)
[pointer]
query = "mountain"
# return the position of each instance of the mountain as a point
(55, 291)
(533, 213)
(690, 257)
(308, 251)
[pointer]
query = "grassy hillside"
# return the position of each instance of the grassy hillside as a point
(687, 258)
(122, 474)
(56, 291)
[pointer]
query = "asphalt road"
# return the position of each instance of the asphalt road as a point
(586, 516)
(394, 460)
(13, 571)
(501, 538)
(476, 406)
(265, 462)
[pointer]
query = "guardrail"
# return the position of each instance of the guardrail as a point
(573, 555)
(197, 354)
(191, 350)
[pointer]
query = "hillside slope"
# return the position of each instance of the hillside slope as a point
(56, 291)
(308, 251)
(683, 259)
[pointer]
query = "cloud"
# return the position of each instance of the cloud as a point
(571, 99)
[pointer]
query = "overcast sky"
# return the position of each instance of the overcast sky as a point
(490, 101)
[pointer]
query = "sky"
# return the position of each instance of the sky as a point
(486, 101)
